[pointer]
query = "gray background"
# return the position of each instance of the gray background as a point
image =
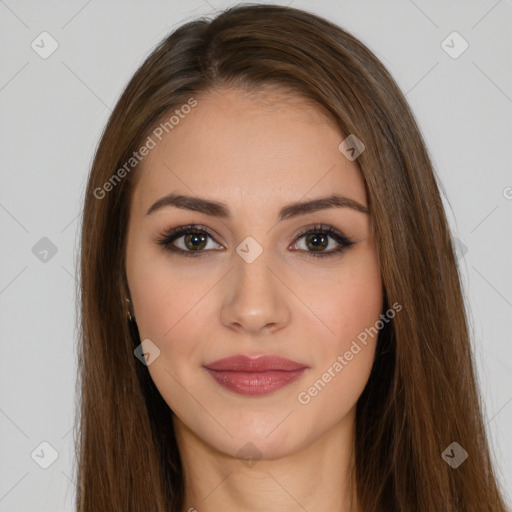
(52, 113)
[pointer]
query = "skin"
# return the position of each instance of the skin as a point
(256, 153)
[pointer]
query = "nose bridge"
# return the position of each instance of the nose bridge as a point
(256, 298)
(252, 275)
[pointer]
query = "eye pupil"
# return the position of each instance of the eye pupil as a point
(195, 237)
(316, 237)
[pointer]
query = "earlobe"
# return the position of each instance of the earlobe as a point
(134, 331)
(129, 309)
(132, 325)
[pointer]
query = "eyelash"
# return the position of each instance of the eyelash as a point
(166, 240)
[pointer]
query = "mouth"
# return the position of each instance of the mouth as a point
(255, 376)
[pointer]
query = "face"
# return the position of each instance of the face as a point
(250, 282)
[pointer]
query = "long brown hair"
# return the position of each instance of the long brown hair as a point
(421, 395)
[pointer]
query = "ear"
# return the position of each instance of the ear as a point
(126, 297)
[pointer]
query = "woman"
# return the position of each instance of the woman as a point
(263, 210)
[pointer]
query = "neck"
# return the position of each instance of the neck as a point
(317, 476)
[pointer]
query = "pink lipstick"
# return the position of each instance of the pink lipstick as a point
(255, 375)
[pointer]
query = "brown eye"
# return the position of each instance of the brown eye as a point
(186, 240)
(317, 241)
(195, 241)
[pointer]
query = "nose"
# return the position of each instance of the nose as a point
(256, 300)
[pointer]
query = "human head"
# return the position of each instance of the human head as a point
(251, 48)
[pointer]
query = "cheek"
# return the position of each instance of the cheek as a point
(167, 303)
(351, 308)
(347, 300)
(164, 294)
(174, 307)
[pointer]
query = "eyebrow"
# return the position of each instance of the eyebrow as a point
(221, 210)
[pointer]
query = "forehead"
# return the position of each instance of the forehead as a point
(252, 149)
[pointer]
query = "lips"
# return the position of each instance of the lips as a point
(255, 375)
(254, 364)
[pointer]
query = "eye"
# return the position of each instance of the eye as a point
(192, 240)
(317, 239)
